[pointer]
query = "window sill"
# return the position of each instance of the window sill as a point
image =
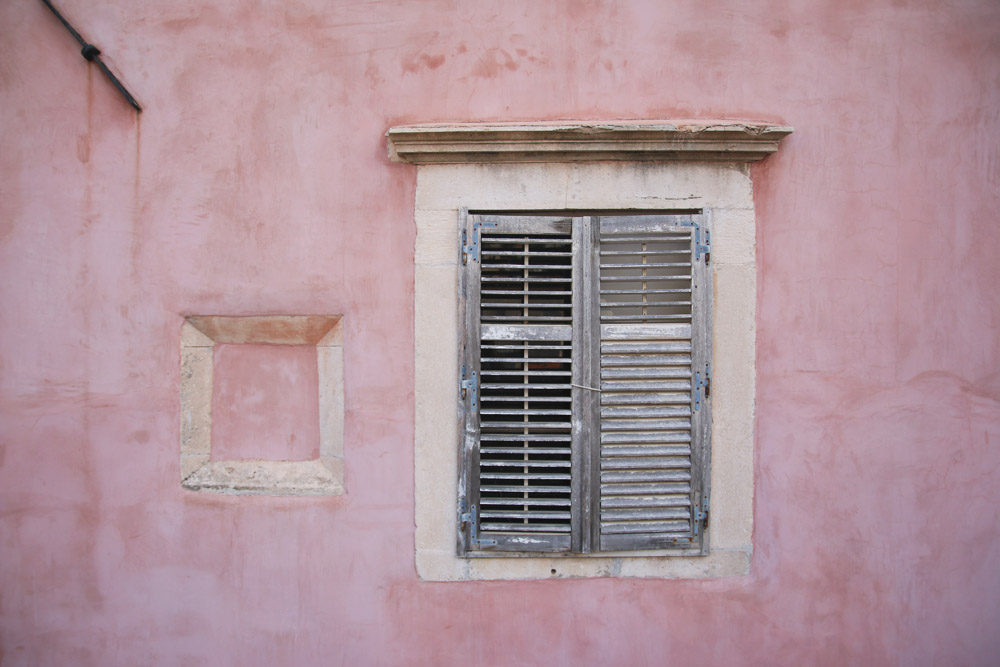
(445, 566)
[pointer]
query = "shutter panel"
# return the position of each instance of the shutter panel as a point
(558, 307)
(519, 344)
(654, 300)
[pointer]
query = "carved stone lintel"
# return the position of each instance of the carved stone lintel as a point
(732, 141)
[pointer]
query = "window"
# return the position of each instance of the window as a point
(322, 476)
(565, 167)
(586, 366)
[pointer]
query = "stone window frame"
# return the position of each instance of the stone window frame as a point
(321, 476)
(583, 167)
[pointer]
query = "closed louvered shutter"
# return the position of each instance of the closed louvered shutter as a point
(654, 298)
(582, 339)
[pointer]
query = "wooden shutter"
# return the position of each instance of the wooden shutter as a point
(519, 346)
(586, 358)
(655, 296)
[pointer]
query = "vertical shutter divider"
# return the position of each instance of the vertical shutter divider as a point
(586, 377)
(592, 299)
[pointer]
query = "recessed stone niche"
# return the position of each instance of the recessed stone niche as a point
(203, 471)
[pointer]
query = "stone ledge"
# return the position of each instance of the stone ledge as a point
(273, 478)
(269, 329)
(446, 566)
(731, 141)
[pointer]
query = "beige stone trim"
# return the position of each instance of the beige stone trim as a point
(730, 141)
(322, 476)
(442, 190)
(268, 329)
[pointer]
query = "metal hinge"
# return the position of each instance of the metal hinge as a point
(470, 520)
(470, 388)
(702, 248)
(699, 247)
(700, 519)
(702, 387)
(470, 251)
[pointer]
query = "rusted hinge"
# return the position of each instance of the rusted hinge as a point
(700, 519)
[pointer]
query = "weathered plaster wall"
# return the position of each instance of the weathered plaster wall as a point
(256, 182)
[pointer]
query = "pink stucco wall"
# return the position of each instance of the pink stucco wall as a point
(256, 182)
(265, 402)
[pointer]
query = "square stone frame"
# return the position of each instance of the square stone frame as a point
(583, 167)
(321, 476)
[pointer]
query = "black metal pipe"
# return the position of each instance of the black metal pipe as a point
(93, 54)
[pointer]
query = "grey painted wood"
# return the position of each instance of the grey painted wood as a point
(640, 438)
(522, 332)
(610, 360)
(581, 398)
(670, 487)
(664, 450)
(524, 454)
(526, 544)
(637, 332)
(529, 224)
(638, 450)
(701, 355)
(466, 442)
(624, 502)
(589, 355)
(683, 527)
(637, 398)
(645, 462)
(631, 226)
(645, 366)
(469, 310)
(638, 347)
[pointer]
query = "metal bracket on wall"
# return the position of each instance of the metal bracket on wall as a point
(93, 54)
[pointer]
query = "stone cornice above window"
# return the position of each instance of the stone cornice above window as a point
(578, 141)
